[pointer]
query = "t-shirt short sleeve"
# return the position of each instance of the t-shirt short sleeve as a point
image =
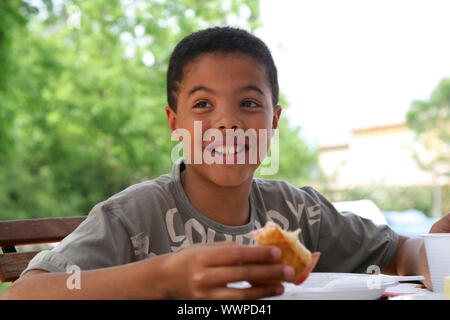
(350, 243)
(99, 241)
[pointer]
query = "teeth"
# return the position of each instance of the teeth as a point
(229, 149)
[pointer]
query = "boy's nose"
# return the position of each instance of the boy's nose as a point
(227, 121)
(232, 127)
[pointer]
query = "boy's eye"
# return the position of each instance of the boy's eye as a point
(250, 104)
(202, 104)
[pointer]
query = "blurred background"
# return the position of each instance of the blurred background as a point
(368, 82)
(365, 89)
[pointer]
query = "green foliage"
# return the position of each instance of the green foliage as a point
(435, 112)
(392, 198)
(13, 15)
(296, 158)
(81, 115)
(430, 120)
(4, 285)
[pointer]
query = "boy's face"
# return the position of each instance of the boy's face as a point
(224, 91)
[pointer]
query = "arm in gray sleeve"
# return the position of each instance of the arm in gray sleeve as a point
(348, 242)
(99, 241)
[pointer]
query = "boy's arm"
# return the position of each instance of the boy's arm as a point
(408, 257)
(121, 282)
(199, 272)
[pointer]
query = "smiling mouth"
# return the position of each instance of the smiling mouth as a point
(229, 150)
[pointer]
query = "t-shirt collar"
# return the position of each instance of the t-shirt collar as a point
(184, 204)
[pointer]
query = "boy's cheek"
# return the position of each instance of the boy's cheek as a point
(264, 139)
(192, 150)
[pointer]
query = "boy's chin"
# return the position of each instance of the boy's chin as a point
(230, 175)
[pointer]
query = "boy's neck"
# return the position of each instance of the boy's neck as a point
(226, 205)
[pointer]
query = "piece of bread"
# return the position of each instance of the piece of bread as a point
(293, 252)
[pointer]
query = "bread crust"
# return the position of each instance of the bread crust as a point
(293, 253)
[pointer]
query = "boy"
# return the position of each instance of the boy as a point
(186, 234)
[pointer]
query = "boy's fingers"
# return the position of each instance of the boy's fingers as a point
(237, 255)
(221, 276)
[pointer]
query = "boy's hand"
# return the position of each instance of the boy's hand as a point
(442, 225)
(203, 271)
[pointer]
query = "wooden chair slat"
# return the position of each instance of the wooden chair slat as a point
(32, 231)
(12, 264)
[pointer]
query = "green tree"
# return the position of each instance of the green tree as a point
(13, 16)
(430, 121)
(82, 105)
(296, 158)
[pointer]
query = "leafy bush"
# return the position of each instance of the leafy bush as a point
(394, 198)
(81, 114)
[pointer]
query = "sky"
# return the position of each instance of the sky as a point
(347, 64)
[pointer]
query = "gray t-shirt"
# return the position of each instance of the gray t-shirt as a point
(155, 217)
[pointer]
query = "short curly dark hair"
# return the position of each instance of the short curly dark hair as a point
(222, 40)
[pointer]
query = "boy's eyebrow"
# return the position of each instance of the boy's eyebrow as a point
(252, 88)
(197, 88)
(246, 88)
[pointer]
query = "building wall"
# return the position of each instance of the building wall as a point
(379, 155)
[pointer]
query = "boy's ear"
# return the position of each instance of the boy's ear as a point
(171, 119)
(276, 116)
